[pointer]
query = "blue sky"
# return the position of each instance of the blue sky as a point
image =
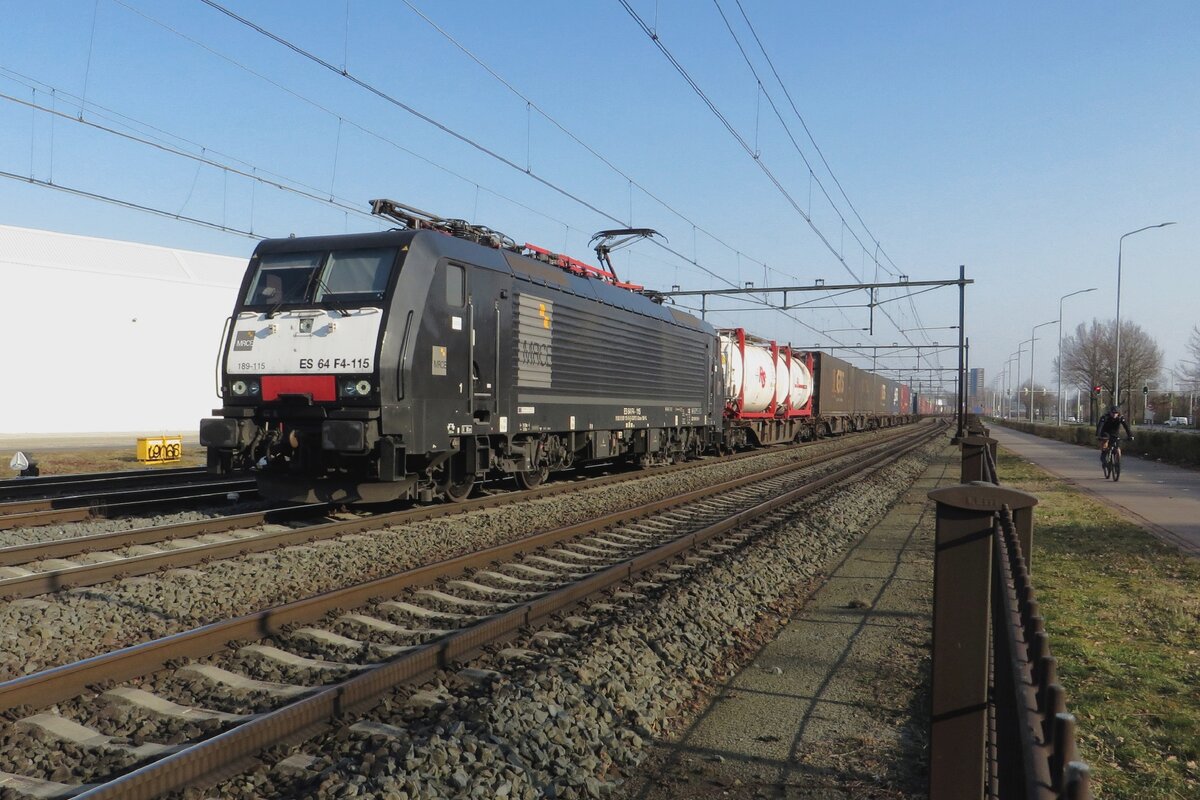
(1019, 139)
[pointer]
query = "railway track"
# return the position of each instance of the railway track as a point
(77, 483)
(316, 659)
(28, 570)
(116, 498)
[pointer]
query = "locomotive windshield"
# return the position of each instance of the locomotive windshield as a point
(335, 277)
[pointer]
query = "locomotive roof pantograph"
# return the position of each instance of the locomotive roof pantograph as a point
(415, 219)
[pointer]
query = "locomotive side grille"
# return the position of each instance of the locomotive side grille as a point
(594, 354)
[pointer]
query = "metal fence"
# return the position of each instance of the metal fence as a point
(999, 727)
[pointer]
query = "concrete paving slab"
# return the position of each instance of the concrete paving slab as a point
(1162, 498)
(835, 707)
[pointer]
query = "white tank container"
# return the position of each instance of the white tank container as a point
(801, 382)
(751, 373)
(758, 386)
(782, 380)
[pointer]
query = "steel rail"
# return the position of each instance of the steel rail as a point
(91, 574)
(40, 517)
(14, 488)
(27, 513)
(68, 680)
(212, 758)
(17, 554)
(56, 516)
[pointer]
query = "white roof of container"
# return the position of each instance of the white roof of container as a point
(65, 251)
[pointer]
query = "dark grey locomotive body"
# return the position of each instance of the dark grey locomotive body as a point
(484, 362)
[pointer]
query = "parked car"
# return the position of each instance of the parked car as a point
(1178, 422)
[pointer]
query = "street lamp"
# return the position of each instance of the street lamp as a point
(1021, 347)
(1031, 341)
(1121, 244)
(1008, 383)
(1058, 409)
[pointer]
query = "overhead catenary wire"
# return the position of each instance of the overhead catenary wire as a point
(200, 159)
(333, 114)
(257, 176)
(879, 249)
(666, 52)
(808, 132)
(533, 105)
(469, 141)
(249, 171)
(775, 181)
(791, 102)
(465, 139)
(761, 91)
(127, 204)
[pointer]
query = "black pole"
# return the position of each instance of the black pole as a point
(966, 375)
(962, 298)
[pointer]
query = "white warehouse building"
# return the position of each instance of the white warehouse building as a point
(110, 336)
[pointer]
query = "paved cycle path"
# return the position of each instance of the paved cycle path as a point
(1162, 498)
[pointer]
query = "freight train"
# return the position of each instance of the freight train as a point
(414, 362)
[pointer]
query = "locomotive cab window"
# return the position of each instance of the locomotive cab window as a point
(282, 278)
(355, 275)
(340, 276)
(456, 286)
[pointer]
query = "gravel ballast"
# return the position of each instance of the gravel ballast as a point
(55, 629)
(573, 717)
(91, 527)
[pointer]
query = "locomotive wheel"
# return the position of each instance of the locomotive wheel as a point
(458, 492)
(454, 491)
(532, 478)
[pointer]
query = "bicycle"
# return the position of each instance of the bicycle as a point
(1112, 459)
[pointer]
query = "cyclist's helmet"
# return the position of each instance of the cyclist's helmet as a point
(1114, 410)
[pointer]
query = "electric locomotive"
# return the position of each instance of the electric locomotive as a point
(414, 362)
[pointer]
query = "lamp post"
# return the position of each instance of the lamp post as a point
(1120, 244)
(1058, 408)
(1031, 341)
(1009, 384)
(1021, 347)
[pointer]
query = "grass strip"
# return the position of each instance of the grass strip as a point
(1123, 613)
(52, 461)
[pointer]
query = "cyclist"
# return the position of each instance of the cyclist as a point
(1109, 429)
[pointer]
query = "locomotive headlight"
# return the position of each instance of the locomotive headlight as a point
(239, 388)
(254, 388)
(355, 388)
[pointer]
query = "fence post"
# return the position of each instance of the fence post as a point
(1023, 526)
(962, 581)
(974, 459)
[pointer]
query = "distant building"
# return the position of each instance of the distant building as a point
(110, 336)
(976, 390)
